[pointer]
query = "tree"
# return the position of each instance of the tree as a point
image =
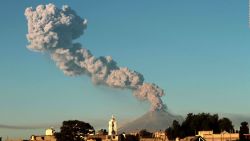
(198, 122)
(244, 129)
(169, 133)
(202, 121)
(145, 134)
(225, 124)
(74, 130)
(102, 132)
(174, 131)
(128, 137)
(214, 123)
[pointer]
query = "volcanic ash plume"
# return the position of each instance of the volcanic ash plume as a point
(52, 30)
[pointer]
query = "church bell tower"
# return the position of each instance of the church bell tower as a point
(112, 127)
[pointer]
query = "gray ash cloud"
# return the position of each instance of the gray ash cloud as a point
(52, 30)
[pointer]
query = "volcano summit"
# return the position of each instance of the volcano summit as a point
(151, 121)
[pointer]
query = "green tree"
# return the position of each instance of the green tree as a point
(198, 122)
(128, 137)
(188, 126)
(74, 130)
(176, 129)
(244, 129)
(225, 124)
(214, 123)
(173, 131)
(102, 132)
(202, 121)
(145, 134)
(169, 133)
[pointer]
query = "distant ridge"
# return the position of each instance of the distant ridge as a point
(152, 121)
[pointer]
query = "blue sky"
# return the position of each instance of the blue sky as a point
(197, 51)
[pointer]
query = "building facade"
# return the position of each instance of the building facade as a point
(49, 136)
(223, 136)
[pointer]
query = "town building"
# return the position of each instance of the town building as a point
(49, 136)
(223, 136)
(160, 135)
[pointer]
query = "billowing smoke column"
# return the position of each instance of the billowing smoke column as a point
(52, 30)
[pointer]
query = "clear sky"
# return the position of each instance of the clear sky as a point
(197, 51)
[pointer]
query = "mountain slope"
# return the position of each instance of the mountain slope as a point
(152, 121)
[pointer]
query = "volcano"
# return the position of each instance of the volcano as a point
(151, 121)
